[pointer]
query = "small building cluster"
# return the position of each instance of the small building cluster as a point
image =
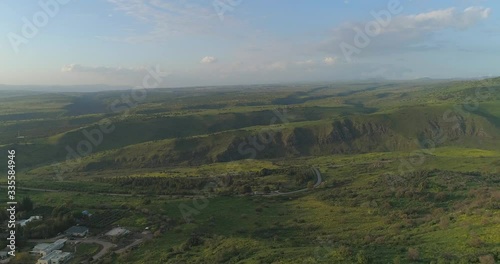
(55, 257)
(51, 253)
(45, 248)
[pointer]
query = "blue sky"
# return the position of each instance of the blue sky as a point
(114, 42)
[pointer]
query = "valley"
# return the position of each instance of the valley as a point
(347, 172)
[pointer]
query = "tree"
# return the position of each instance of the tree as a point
(444, 222)
(345, 252)
(246, 189)
(22, 258)
(27, 204)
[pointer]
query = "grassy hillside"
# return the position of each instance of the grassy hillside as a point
(409, 170)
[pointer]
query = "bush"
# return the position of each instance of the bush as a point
(487, 259)
(361, 258)
(246, 189)
(413, 254)
(476, 242)
(444, 222)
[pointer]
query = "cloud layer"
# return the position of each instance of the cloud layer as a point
(166, 18)
(260, 56)
(403, 32)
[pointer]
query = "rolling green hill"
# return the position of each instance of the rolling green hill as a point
(409, 169)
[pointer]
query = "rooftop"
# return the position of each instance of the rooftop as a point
(48, 247)
(41, 246)
(117, 231)
(77, 229)
(56, 255)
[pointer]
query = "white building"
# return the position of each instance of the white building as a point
(23, 222)
(46, 248)
(117, 231)
(55, 257)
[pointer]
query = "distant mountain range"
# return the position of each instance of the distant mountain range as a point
(63, 88)
(104, 87)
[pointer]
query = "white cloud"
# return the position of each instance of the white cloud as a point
(404, 32)
(439, 19)
(208, 60)
(330, 60)
(166, 18)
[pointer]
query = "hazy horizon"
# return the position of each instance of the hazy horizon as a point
(104, 87)
(120, 42)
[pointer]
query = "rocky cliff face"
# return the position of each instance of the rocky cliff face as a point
(343, 136)
(350, 136)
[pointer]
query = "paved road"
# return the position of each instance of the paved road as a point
(106, 246)
(320, 179)
(316, 172)
(30, 189)
(109, 194)
(135, 243)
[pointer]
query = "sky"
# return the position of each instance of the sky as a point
(231, 42)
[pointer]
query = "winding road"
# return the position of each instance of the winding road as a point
(135, 243)
(108, 194)
(106, 246)
(319, 180)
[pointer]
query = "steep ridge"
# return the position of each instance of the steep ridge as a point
(349, 135)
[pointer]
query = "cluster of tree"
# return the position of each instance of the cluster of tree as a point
(159, 185)
(61, 218)
(300, 175)
(231, 184)
(23, 208)
(244, 183)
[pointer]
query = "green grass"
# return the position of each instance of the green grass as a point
(84, 251)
